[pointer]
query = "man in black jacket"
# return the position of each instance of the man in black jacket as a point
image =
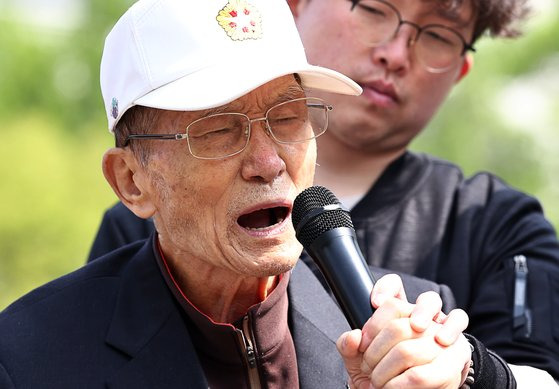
(414, 213)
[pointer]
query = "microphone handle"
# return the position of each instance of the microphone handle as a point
(340, 260)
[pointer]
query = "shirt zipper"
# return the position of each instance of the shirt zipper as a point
(521, 313)
(245, 339)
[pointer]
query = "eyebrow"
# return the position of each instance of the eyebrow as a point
(454, 18)
(292, 92)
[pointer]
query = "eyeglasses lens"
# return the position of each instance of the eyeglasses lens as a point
(217, 135)
(298, 120)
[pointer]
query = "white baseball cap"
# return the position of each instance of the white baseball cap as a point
(191, 55)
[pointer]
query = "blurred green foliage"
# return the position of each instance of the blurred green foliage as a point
(54, 133)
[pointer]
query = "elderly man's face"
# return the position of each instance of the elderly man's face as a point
(232, 213)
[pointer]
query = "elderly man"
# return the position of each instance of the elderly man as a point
(413, 213)
(215, 137)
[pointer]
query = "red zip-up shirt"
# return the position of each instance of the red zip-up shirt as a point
(256, 351)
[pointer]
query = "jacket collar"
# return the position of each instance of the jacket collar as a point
(398, 181)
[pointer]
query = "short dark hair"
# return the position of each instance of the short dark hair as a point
(136, 120)
(499, 18)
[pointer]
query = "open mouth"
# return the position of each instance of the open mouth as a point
(263, 218)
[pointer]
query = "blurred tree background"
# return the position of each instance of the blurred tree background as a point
(503, 118)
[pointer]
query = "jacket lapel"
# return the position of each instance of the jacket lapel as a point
(316, 323)
(147, 326)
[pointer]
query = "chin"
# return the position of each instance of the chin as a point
(273, 264)
(274, 269)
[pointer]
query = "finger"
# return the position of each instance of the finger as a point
(419, 349)
(454, 324)
(390, 336)
(440, 317)
(387, 286)
(444, 371)
(427, 307)
(348, 345)
(392, 308)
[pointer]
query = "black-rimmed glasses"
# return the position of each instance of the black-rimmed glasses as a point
(223, 135)
(436, 46)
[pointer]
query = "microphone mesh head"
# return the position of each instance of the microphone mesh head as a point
(309, 200)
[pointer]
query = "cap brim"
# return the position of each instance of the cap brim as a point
(219, 85)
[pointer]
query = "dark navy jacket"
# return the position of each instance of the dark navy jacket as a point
(115, 324)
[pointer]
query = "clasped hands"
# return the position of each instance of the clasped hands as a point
(406, 345)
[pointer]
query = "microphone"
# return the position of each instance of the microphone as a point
(326, 231)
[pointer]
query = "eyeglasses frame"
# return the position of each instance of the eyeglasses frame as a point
(181, 136)
(465, 45)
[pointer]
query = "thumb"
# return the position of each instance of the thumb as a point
(348, 347)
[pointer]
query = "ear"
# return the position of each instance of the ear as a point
(129, 181)
(296, 6)
(467, 65)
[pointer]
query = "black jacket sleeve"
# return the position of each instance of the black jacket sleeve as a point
(514, 284)
(490, 371)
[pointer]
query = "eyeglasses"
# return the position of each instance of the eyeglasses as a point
(436, 46)
(223, 135)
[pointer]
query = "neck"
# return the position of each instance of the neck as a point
(222, 295)
(349, 171)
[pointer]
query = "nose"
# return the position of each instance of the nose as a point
(395, 54)
(262, 161)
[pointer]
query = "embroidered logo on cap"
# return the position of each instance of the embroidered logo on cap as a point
(114, 111)
(240, 20)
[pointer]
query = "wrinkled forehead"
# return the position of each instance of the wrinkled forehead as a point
(272, 93)
(259, 100)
